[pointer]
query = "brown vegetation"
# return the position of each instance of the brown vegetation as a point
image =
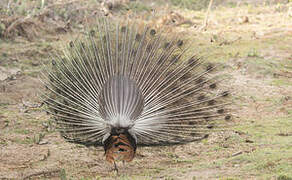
(252, 44)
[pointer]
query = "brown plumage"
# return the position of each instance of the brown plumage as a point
(120, 146)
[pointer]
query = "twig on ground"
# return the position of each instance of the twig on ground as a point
(44, 173)
(236, 154)
(205, 24)
(14, 24)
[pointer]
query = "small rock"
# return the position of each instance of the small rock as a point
(42, 142)
(243, 19)
(249, 141)
(8, 73)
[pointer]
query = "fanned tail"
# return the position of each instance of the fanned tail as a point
(121, 76)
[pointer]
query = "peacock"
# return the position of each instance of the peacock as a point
(123, 86)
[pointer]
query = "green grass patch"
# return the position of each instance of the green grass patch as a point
(22, 131)
(273, 152)
(138, 6)
(190, 4)
(284, 177)
(282, 82)
(26, 140)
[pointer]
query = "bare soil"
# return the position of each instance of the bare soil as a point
(252, 43)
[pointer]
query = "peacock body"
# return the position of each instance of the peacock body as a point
(124, 86)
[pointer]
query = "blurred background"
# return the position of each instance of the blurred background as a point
(250, 40)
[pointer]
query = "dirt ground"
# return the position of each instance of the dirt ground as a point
(251, 42)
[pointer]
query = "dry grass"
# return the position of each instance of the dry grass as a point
(253, 45)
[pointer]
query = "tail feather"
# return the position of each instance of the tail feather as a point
(124, 76)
